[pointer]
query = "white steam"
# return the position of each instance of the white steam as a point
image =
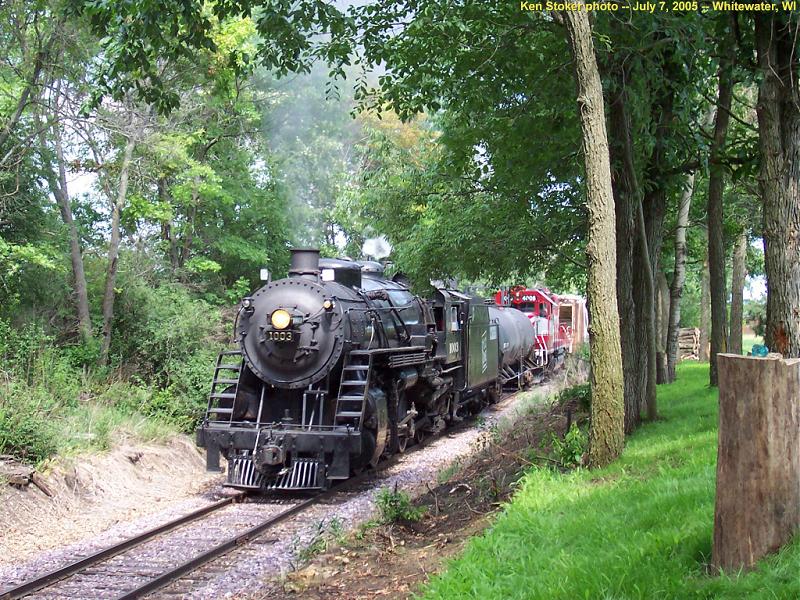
(377, 247)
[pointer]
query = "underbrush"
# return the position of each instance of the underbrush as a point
(397, 506)
(640, 528)
(54, 400)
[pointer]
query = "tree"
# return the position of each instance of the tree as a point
(779, 137)
(606, 433)
(678, 277)
(54, 170)
(32, 38)
(716, 184)
(132, 131)
(738, 274)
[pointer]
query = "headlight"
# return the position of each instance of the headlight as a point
(280, 319)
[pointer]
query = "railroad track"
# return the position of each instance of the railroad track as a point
(149, 561)
(152, 560)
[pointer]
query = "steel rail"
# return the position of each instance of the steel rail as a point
(223, 548)
(73, 568)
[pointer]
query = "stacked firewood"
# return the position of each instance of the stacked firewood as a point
(689, 343)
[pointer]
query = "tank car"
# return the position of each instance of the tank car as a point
(337, 366)
(553, 337)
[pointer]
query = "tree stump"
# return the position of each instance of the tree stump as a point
(758, 459)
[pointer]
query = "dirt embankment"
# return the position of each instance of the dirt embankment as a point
(91, 493)
(393, 560)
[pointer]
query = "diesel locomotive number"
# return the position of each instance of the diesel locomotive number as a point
(280, 336)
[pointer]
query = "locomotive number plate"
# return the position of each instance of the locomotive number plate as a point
(280, 336)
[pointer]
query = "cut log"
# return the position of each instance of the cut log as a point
(37, 480)
(758, 459)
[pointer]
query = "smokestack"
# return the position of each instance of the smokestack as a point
(305, 261)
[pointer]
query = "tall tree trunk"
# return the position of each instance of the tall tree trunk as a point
(678, 278)
(716, 185)
(113, 249)
(738, 274)
(779, 136)
(644, 348)
(606, 436)
(59, 187)
(662, 314)
(705, 310)
(650, 320)
(625, 218)
(654, 206)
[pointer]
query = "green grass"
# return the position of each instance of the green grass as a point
(98, 427)
(70, 417)
(640, 528)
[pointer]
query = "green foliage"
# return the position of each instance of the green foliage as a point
(397, 506)
(160, 328)
(173, 339)
(639, 528)
(83, 354)
(327, 532)
(180, 410)
(755, 313)
(235, 293)
(581, 392)
(571, 449)
(27, 431)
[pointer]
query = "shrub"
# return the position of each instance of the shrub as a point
(571, 449)
(27, 431)
(83, 354)
(177, 410)
(159, 328)
(20, 348)
(581, 392)
(396, 506)
(164, 405)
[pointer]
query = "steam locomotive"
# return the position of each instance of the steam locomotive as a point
(338, 366)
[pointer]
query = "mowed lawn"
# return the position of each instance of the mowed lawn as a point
(641, 528)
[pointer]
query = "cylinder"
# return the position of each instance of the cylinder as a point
(517, 334)
(305, 261)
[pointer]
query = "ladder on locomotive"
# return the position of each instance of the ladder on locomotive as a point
(227, 373)
(353, 389)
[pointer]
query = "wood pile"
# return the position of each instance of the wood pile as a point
(688, 343)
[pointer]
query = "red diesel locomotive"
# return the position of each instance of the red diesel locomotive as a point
(560, 321)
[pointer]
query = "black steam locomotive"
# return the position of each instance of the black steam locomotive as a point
(337, 366)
